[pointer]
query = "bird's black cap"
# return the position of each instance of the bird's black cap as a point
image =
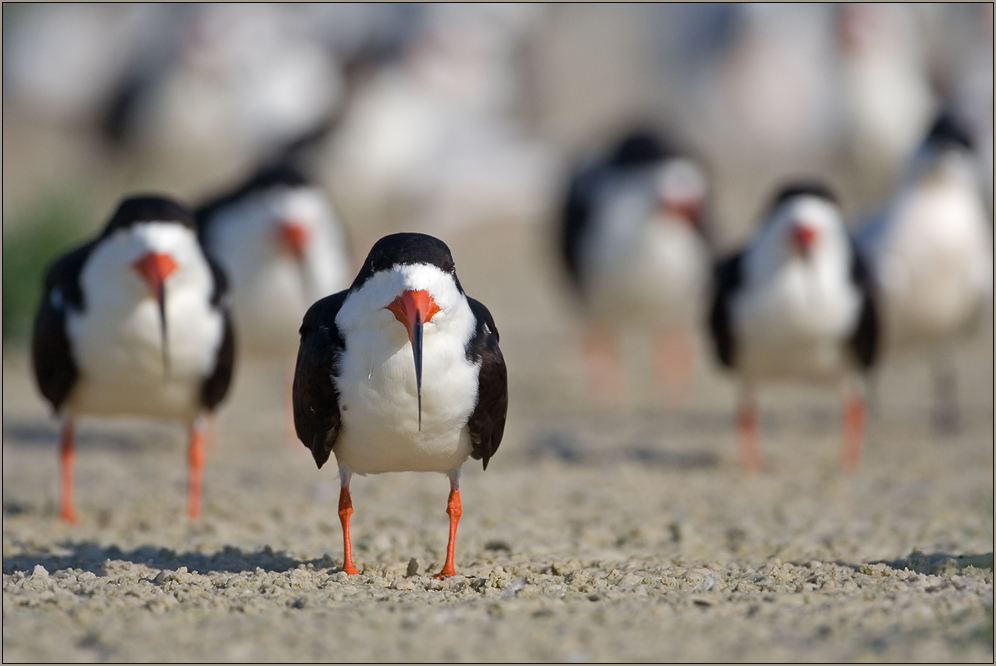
(638, 148)
(405, 249)
(948, 131)
(149, 208)
(277, 174)
(795, 189)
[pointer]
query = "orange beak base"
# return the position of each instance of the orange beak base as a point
(803, 237)
(155, 267)
(293, 236)
(413, 309)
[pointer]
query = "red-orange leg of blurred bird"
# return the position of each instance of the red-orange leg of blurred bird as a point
(66, 455)
(854, 430)
(606, 383)
(750, 452)
(345, 511)
(195, 462)
(454, 511)
(675, 356)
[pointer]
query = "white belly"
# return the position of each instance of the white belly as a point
(379, 407)
(120, 360)
(796, 328)
(655, 279)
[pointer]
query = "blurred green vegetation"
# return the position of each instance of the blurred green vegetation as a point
(33, 236)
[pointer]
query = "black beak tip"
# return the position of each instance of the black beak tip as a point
(417, 353)
(161, 298)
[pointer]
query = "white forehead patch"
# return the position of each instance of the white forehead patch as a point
(382, 288)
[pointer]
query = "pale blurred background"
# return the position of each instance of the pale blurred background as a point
(464, 121)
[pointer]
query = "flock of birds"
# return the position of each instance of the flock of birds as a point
(400, 370)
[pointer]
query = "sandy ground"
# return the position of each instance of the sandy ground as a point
(610, 532)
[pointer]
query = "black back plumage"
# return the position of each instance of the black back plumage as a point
(54, 367)
(864, 342)
(487, 421)
(727, 279)
(946, 130)
(317, 419)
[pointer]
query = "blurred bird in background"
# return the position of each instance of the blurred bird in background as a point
(931, 252)
(797, 304)
(633, 244)
(431, 139)
(467, 118)
(887, 98)
(135, 323)
(282, 247)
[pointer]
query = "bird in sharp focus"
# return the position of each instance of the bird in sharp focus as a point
(633, 243)
(401, 372)
(797, 305)
(135, 323)
(930, 249)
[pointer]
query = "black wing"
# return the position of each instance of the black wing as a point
(487, 422)
(864, 341)
(217, 384)
(576, 217)
(51, 354)
(316, 400)
(726, 281)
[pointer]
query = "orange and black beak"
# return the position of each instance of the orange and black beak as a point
(413, 309)
(155, 267)
(802, 238)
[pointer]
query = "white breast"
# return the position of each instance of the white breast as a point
(934, 265)
(376, 385)
(116, 340)
(643, 268)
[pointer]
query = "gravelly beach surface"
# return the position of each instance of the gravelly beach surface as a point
(599, 533)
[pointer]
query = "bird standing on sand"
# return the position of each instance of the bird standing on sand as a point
(633, 243)
(796, 304)
(930, 249)
(401, 372)
(135, 323)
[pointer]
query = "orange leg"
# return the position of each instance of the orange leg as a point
(195, 460)
(854, 427)
(345, 511)
(606, 382)
(454, 511)
(66, 455)
(750, 452)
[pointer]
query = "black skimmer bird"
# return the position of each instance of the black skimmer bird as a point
(633, 244)
(135, 323)
(930, 248)
(282, 247)
(401, 372)
(797, 304)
